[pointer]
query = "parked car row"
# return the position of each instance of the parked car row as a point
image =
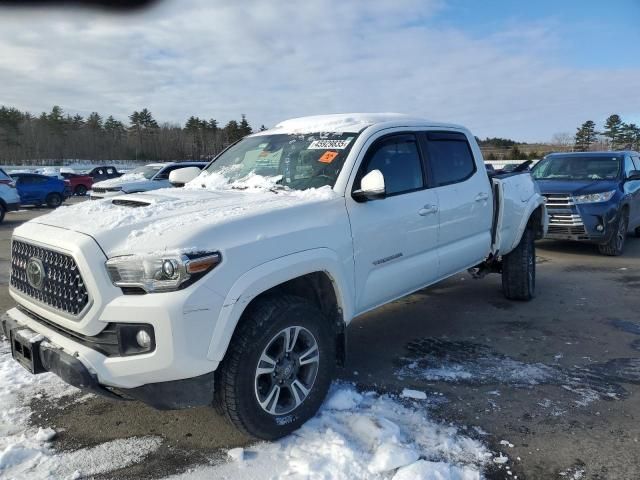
(143, 179)
(51, 187)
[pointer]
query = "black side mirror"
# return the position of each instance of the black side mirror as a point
(633, 175)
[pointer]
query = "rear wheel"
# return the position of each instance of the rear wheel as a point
(615, 246)
(54, 200)
(3, 212)
(637, 231)
(278, 368)
(519, 269)
(80, 190)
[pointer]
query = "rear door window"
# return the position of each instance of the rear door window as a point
(449, 157)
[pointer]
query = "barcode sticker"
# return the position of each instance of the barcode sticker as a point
(329, 144)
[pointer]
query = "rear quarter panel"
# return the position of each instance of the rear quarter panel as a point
(518, 199)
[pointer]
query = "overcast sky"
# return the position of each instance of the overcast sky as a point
(524, 70)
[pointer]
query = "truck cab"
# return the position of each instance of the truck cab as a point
(237, 289)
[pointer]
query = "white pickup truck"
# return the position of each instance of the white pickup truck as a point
(236, 290)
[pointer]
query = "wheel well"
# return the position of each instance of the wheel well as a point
(536, 222)
(318, 288)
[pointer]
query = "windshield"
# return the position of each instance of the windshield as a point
(296, 161)
(577, 168)
(148, 171)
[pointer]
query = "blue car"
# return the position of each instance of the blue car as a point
(591, 197)
(35, 189)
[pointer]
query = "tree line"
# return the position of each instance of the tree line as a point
(616, 135)
(57, 136)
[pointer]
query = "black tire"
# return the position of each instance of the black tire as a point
(239, 385)
(519, 269)
(80, 190)
(3, 212)
(54, 200)
(637, 232)
(615, 246)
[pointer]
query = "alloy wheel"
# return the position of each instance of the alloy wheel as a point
(287, 370)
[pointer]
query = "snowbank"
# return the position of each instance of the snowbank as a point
(363, 436)
(355, 435)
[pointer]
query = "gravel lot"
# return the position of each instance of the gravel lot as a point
(554, 383)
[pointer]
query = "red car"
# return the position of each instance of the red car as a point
(78, 184)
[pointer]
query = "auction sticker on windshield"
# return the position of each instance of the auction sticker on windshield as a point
(329, 144)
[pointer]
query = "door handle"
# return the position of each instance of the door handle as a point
(428, 210)
(481, 197)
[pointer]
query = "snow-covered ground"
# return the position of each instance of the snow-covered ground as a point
(355, 435)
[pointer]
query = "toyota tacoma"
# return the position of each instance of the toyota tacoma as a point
(236, 290)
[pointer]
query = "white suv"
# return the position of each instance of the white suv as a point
(237, 289)
(142, 179)
(9, 198)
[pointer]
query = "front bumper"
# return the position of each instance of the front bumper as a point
(46, 356)
(183, 321)
(12, 207)
(588, 222)
(93, 195)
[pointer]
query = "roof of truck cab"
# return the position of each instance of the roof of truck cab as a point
(349, 123)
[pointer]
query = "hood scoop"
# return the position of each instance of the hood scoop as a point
(123, 202)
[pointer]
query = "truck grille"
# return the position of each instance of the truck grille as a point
(562, 201)
(563, 217)
(62, 287)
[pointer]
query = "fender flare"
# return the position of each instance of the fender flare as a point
(534, 202)
(275, 272)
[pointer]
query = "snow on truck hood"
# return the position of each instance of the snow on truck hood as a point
(171, 218)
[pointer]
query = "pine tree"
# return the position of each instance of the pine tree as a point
(629, 134)
(245, 128)
(94, 121)
(585, 136)
(612, 130)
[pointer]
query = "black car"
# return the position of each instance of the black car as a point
(103, 173)
(591, 196)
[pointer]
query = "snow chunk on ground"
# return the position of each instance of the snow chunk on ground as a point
(236, 454)
(345, 399)
(423, 470)
(364, 436)
(415, 394)
(390, 456)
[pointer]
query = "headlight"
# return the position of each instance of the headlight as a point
(113, 189)
(160, 273)
(594, 197)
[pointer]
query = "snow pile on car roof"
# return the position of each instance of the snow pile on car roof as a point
(342, 122)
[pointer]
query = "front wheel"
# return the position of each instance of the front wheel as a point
(54, 200)
(3, 212)
(519, 269)
(80, 190)
(615, 246)
(278, 368)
